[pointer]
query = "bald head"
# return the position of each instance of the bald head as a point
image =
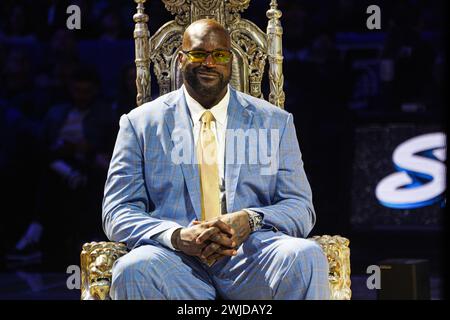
(205, 30)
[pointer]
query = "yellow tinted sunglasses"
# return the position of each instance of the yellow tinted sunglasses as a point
(219, 56)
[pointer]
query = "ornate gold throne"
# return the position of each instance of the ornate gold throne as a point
(251, 49)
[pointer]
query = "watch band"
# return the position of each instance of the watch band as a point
(255, 220)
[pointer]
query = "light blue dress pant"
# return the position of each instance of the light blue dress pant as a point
(269, 265)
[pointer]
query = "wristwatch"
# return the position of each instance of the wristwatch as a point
(255, 220)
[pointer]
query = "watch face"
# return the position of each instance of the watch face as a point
(258, 220)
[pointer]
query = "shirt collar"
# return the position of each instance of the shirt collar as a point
(219, 111)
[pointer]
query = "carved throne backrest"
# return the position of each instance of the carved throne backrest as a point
(250, 45)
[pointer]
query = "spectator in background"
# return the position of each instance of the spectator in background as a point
(126, 99)
(20, 129)
(349, 15)
(61, 59)
(52, 15)
(63, 45)
(115, 18)
(438, 87)
(410, 59)
(317, 94)
(18, 87)
(297, 20)
(13, 173)
(110, 25)
(19, 165)
(18, 23)
(77, 140)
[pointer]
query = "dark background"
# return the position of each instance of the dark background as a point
(335, 83)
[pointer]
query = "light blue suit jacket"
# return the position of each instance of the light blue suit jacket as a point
(146, 192)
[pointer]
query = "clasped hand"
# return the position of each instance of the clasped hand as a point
(213, 240)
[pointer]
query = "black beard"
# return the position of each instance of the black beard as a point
(209, 91)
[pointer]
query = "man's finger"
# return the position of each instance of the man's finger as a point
(223, 227)
(215, 235)
(223, 240)
(213, 259)
(226, 252)
(206, 234)
(214, 248)
(209, 250)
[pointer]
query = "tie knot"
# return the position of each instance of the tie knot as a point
(207, 117)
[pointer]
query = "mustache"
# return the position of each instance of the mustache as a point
(206, 70)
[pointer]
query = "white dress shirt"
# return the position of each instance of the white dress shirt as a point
(218, 126)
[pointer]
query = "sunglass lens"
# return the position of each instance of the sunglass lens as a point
(221, 56)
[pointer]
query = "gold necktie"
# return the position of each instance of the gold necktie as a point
(209, 171)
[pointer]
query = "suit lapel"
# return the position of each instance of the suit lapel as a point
(239, 117)
(179, 124)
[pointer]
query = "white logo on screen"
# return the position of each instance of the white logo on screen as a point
(420, 180)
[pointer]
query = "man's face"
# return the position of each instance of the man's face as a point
(207, 78)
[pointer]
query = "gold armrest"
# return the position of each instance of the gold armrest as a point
(97, 259)
(337, 250)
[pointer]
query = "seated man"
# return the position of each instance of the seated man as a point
(200, 224)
